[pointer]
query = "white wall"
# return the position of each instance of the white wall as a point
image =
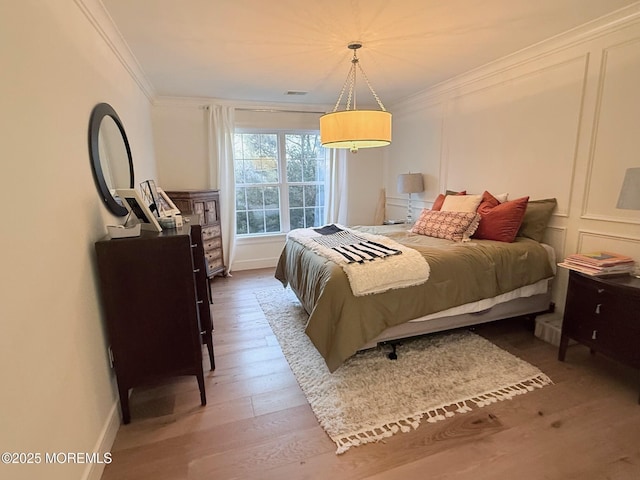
(180, 138)
(58, 393)
(181, 144)
(557, 120)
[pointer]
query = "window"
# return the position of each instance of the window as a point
(280, 180)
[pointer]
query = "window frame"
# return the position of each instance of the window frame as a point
(283, 184)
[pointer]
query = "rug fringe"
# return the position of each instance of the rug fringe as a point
(442, 412)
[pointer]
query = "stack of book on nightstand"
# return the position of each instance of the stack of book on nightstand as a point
(599, 263)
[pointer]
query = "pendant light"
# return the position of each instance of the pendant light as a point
(352, 128)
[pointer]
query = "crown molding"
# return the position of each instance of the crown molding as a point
(100, 19)
(587, 32)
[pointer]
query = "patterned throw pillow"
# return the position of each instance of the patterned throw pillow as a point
(456, 226)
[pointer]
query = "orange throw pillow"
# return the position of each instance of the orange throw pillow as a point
(500, 221)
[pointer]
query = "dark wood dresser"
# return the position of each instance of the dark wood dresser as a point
(206, 205)
(603, 313)
(154, 298)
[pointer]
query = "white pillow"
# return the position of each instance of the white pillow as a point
(503, 197)
(461, 203)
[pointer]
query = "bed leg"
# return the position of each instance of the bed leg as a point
(530, 322)
(393, 355)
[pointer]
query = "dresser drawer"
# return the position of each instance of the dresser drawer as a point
(212, 243)
(209, 233)
(211, 255)
(215, 264)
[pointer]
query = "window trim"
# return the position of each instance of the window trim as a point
(285, 219)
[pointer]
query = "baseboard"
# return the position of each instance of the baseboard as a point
(254, 264)
(104, 443)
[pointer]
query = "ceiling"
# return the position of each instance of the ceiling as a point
(258, 50)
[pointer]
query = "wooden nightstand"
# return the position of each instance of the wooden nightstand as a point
(603, 313)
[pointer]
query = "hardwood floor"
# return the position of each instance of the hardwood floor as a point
(258, 425)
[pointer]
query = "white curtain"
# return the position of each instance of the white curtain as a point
(220, 129)
(336, 187)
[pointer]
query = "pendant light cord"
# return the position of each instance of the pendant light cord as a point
(351, 81)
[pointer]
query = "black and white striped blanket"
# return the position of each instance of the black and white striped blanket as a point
(353, 247)
(373, 263)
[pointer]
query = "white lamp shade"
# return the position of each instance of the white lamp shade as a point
(355, 129)
(410, 183)
(629, 198)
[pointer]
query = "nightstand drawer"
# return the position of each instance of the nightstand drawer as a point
(604, 315)
(625, 313)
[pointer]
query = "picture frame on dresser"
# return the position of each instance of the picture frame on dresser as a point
(149, 193)
(137, 207)
(166, 206)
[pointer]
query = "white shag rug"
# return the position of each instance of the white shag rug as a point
(371, 397)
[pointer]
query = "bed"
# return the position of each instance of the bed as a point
(469, 282)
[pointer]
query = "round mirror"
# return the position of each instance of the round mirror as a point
(110, 156)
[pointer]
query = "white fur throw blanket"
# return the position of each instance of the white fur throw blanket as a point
(404, 268)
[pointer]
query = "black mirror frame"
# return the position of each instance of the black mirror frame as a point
(100, 111)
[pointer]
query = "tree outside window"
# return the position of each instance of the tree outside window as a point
(280, 181)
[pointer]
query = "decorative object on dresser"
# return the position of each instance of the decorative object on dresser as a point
(134, 203)
(166, 205)
(154, 297)
(603, 313)
(206, 205)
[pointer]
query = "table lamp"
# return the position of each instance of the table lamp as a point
(629, 198)
(410, 183)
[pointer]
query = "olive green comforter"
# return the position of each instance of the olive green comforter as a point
(340, 323)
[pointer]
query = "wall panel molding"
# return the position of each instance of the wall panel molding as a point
(510, 135)
(588, 238)
(612, 141)
(612, 219)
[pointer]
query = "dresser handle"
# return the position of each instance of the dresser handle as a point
(594, 334)
(598, 308)
(194, 245)
(197, 270)
(600, 290)
(200, 301)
